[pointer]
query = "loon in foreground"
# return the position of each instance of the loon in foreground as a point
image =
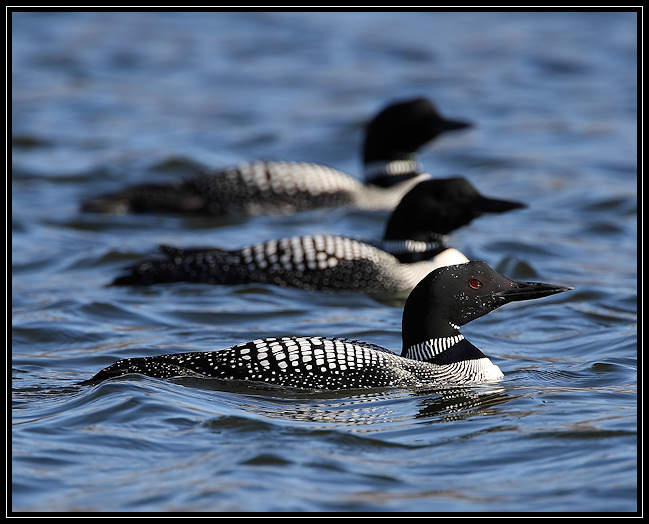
(277, 187)
(434, 351)
(412, 246)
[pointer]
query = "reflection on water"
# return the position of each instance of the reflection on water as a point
(355, 410)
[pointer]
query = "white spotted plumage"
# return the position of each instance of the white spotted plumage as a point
(313, 362)
(314, 262)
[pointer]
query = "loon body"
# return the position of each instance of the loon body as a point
(412, 246)
(434, 351)
(277, 187)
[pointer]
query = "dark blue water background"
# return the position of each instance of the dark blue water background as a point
(103, 100)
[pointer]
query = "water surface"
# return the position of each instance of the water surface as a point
(103, 100)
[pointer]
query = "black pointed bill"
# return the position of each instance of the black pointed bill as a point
(448, 124)
(496, 205)
(530, 290)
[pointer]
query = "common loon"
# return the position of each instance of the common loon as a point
(279, 187)
(434, 350)
(412, 246)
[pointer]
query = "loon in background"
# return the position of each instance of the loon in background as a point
(412, 246)
(278, 187)
(434, 351)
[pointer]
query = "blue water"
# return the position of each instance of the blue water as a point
(105, 100)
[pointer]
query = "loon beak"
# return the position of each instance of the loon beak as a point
(495, 205)
(530, 290)
(448, 124)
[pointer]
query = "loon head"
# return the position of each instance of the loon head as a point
(401, 128)
(438, 206)
(452, 296)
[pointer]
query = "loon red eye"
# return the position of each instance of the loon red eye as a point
(475, 283)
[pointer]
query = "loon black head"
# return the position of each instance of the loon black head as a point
(400, 129)
(452, 296)
(438, 206)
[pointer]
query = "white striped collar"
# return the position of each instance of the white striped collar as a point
(412, 246)
(391, 168)
(430, 348)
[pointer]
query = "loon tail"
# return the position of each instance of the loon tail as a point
(161, 369)
(173, 197)
(181, 265)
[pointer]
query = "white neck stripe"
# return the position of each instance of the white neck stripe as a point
(411, 246)
(391, 168)
(431, 348)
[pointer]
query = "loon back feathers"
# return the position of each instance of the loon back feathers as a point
(312, 263)
(274, 187)
(303, 362)
(251, 188)
(269, 187)
(433, 351)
